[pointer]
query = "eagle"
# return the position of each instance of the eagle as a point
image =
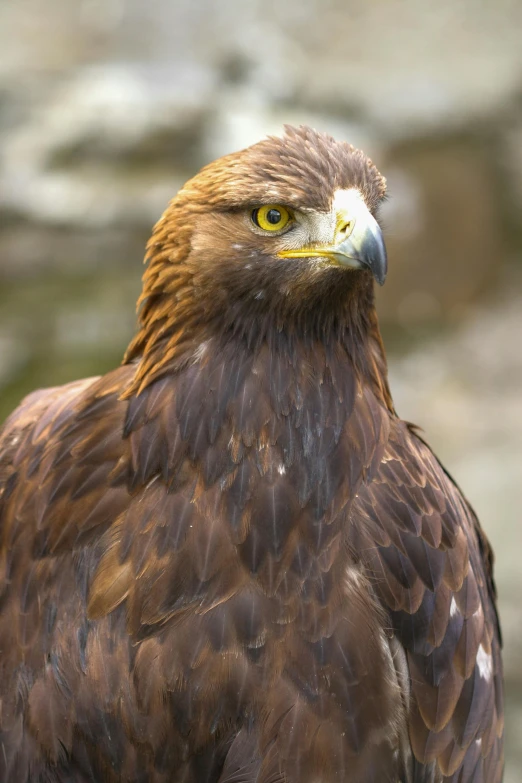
(229, 560)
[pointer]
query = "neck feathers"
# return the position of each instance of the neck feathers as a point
(181, 315)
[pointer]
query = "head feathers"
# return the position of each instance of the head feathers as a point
(303, 169)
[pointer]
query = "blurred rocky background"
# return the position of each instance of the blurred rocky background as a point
(107, 106)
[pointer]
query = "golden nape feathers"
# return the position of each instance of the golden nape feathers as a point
(228, 560)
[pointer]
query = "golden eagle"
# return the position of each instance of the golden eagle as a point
(228, 560)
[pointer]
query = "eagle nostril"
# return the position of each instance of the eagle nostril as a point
(346, 227)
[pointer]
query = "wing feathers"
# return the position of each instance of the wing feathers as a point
(450, 634)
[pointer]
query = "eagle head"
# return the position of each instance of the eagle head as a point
(283, 235)
(303, 196)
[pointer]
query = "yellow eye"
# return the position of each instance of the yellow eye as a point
(272, 217)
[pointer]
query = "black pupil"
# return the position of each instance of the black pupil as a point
(273, 216)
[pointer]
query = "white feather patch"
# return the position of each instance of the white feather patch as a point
(484, 663)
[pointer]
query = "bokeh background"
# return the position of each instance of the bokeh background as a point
(107, 106)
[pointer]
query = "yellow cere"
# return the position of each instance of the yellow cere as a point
(271, 217)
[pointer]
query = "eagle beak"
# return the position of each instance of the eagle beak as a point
(364, 247)
(358, 241)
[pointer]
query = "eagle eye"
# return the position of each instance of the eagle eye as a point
(271, 217)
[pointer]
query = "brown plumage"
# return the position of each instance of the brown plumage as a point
(229, 561)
